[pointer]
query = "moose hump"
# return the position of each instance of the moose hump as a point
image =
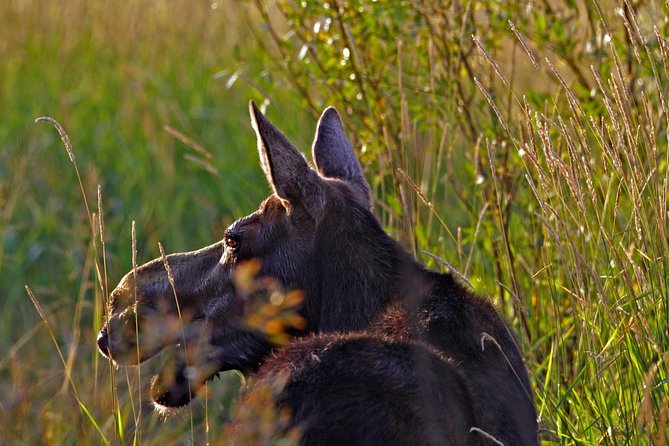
(381, 350)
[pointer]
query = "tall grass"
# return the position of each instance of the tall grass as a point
(115, 74)
(525, 144)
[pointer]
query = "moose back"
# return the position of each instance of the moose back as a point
(389, 352)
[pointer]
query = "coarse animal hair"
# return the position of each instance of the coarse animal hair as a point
(389, 352)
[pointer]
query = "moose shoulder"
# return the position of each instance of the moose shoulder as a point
(390, 353)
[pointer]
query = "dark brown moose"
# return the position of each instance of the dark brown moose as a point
(391, 354)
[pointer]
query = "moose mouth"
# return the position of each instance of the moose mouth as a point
(193, 366)
(197, 357)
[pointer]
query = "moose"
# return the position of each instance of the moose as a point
(390, 353)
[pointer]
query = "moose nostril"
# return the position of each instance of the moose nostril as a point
(103, 342)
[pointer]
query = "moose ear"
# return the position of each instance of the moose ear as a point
(334, 157)
(286, 170)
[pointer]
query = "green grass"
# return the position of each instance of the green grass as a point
(541, 179)
(535, 138)
(114, 74)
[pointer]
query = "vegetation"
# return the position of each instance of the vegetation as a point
(522, 144)
(115, 75)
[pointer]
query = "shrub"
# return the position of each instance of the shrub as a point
(525, 144)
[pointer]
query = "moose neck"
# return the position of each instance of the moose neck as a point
(362, 270)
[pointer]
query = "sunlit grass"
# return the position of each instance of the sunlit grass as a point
(527, 147)
(532, 159)
(115, 74)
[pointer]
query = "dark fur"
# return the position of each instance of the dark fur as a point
(393, 354)
(362, 389)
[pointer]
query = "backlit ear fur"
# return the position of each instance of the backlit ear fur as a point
(334, 157)
(286, 170)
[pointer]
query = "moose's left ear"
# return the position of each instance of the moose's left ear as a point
(334, 157)
(286, 170)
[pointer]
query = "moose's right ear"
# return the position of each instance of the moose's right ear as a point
(286, 170)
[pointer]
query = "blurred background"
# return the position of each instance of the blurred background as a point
(523, 143)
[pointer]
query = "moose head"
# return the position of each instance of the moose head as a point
(303, 236)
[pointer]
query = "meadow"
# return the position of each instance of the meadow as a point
(523, 144)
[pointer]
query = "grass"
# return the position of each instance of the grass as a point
(103, 72)
(526, 146)
(532, 158)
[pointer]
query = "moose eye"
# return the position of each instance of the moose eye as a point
(231, 242)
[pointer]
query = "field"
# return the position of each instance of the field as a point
(523, 143)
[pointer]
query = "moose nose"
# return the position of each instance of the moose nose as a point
(103, 342)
